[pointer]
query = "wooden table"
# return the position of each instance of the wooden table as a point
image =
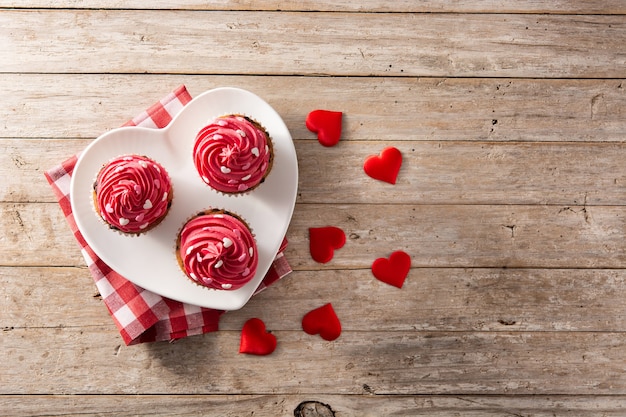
(511, 119)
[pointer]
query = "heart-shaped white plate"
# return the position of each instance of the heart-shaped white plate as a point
(149, 260)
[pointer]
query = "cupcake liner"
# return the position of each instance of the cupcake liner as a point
(272, 150)
(113, 228)
(208, 210)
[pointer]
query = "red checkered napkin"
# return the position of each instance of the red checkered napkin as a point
(140, 315)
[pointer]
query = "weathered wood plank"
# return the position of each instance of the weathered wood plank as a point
(67, 297)
(63, 361)
(405, 6)
(432, 172)
(434, 235)
(343, 405)
(36, 230)
(466, 236)
(467, 173)
(432, 299)
(375, 108)
(449, 299)
(459, 45)
(23, 163)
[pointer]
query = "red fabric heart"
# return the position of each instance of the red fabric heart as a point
(392, 271)
(327, 125)
(384, 167)
(255, 340)
(323, 241)
(323, 321)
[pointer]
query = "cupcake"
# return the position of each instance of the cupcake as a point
(233, 154)
(132, 194)
(216, 249)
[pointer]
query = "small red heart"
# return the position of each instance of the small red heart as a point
(323, 321)
(384, 167)
(392, 271)
(255, 340)
(323, 241)
(327, 125)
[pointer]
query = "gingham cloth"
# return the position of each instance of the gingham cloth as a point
(141, 315)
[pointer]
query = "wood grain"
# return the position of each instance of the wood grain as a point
(343, 405)
(400, 362)
(432, 299)
(405, 6)
(375, 108)
(287, 43)
(496, 236)
(432, 172)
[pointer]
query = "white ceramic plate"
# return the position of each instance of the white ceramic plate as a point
(149, 260)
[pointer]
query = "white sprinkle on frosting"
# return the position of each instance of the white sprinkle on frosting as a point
(227, 242)
(241, 133)
(225, 170)
(251, 251)
(255, 151)
(124, 221)
(143, 164)
(246, 178)
(219, 264)
(227, 286)
(147, 205)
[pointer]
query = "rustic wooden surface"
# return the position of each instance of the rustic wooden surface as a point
(511, 118)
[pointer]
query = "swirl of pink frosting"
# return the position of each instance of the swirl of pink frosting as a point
(132, 193)
(218, 251)
(232, 154)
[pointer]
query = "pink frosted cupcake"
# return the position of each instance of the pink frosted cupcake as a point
(132, 194)
(216, 249)
(233, 154)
